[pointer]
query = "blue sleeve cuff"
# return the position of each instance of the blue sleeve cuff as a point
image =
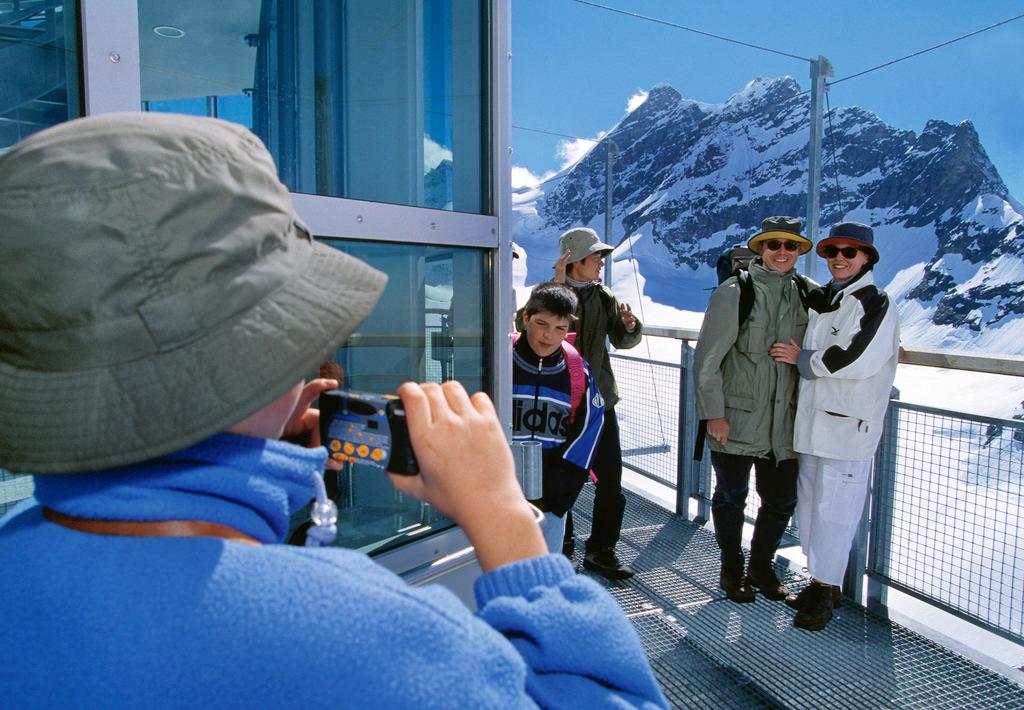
(803, 364)
(518, 578)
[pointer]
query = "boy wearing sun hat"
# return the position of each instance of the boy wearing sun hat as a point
(601, 320)
(144, 256)
(748, 403)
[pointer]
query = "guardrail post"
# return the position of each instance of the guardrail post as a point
(685, 473)
(882, 509)
(876, 520)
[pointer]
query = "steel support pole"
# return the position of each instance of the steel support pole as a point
(820, 69)
(870, 546)
(882, 510)
(686, 469)
(612, 151)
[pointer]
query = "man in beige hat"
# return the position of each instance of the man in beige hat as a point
(748, 403)
(600, 319)
(143, 255)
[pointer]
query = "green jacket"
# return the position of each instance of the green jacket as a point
(598, 315)
(736, 378)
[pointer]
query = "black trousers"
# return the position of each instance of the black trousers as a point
(776, 485)
(609, 502)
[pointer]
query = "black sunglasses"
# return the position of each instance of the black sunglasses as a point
(776, 244)
(832, 251)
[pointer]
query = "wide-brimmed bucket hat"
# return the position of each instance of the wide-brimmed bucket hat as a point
(782, 228)
(157, 288)
(581, 242)
(855, 233)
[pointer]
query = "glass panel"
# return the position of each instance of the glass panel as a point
(39, 88)
(381, 101)
(13, 489)
(430, 325)
(39, 81)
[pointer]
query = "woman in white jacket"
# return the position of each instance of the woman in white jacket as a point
(847, 365)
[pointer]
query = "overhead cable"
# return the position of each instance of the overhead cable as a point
(556, 133)
(835, 163)
(922, 51)
(691, 29)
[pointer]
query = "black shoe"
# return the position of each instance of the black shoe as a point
(737, 587)
(796, 601)
(569, 548)
(816, 610)
(763, 577)
(606, 564)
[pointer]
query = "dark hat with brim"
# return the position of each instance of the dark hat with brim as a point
(787, 228)
(855, 233)
(182, 291)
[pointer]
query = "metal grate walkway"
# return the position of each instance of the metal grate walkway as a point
(709, 652)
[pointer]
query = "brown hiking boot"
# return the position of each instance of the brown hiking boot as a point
(796, 601)
(736, 585)
(764, 578)
(816, 610)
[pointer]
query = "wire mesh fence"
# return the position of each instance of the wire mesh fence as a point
(650, 433)
(948, 515)
(13, 489)
(947, 521)
(648, 415)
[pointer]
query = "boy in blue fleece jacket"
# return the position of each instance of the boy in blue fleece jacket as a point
(142, 253)
(542, 406)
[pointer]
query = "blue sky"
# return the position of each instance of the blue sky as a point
(575, 66)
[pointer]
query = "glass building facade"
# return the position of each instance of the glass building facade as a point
(382, 101)
(384, 119)
(39, 81)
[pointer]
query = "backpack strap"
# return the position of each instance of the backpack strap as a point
(746, 285)
(747, 293)
(801, 288)
(577, 377)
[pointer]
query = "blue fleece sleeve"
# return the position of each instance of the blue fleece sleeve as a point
(576, 641)
(803, 365)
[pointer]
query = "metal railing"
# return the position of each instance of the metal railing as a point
(945, 519)
(13, 489)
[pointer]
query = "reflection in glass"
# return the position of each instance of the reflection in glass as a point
(39, 88)
(430, 325)
(381, 101)
(39, 85)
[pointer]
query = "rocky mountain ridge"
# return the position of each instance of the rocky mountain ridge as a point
(691, 178)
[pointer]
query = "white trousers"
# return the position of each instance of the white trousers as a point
(554, 532)
(830, 501)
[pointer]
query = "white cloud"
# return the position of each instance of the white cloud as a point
(522, 177)
(572, 151)
(635, 100)
(433, 154)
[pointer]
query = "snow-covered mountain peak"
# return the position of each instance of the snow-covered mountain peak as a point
(691, 178)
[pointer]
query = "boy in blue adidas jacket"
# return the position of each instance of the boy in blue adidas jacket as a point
(546, 373)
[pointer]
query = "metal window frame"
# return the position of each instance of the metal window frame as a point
(111, 71)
